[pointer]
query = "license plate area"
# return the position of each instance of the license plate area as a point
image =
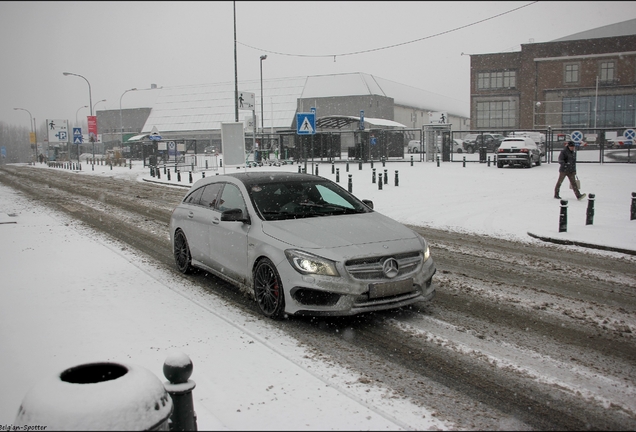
(387, 289)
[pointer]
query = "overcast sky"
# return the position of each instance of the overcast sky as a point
(121, 45)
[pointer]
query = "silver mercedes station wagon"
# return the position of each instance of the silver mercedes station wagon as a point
(300, 244)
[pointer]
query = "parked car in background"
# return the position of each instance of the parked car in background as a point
(458, 145)
(537, 137)
(414, 146)
(300, 244)
(474, 141)
(518, 151)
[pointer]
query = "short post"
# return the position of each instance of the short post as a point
(563, 216)
(488, 161)
(589, 220)
(350, 185)
(633, 214)
(359, 164)
(337, 175)
(206, 164)
(371, 163)
(177, 369)
(494, 159)
(379, 181)
(130, 163)
(386, 177)
(316, 169)
(373, 176)
(299, 169)
(203, 174)
(333, 167)
(383, 161)
(411, 160)
(190, 177)
(397, 180)
(168, 175)
(179, 176)
(158, 174)
(464, 162)
(347, 166)
(437, 160)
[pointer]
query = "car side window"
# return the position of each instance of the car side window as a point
(209, 195)
(231, 198)
(194, 196)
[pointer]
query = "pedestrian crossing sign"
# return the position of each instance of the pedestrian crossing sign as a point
(306, 123)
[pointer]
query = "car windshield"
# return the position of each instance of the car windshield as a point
(292, 200)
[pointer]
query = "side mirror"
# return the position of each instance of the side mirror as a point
(368, 203)
(234, 215)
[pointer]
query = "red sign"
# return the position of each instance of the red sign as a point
(92, 128)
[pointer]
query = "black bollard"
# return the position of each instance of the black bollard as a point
(371, 163)
(164, 169)
(347, 166)
(316, 169)
(179, 176)
(206, 164)
(633, 214)
(411, 160)
(488, 161)
(589, 220)
(373, 176)
(350, 185)
(386, 177)
(337, 175)
(379, 181)
(383, 161)
(333, 168)
(203, 174)
(464, 162)
(177, 369)
(359, 165)
(437, 160)
(190, 179)
(397, 180)
(563, 216)
(299, 169)
(168, 175)
(158, 174)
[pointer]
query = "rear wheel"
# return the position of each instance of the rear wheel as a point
(470, 149)
(499, 164)
(268, 290)
(182, 255)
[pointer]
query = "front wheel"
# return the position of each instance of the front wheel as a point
(268, 290)
(182, 255)
(470, 149)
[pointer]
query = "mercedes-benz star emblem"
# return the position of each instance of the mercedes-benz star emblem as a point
(390, 268)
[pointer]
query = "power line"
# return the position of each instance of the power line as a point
(388, 46)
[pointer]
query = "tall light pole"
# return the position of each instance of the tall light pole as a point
(103, 100)
(32, 127)
(263, 57)
(90, 104)
(121, 121)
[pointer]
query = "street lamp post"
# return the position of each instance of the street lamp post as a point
(103, 100)
(263, 57)
(32, 127)
(121, 121)
(90, 105)
(76, 121)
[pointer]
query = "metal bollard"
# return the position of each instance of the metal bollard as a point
(350, 185)
(563, 216)
(379, 181)
(373, 176)
(371, 163)
(488, 161)
(299, 169)
(179, 176)
(333, 168)
(168, 175)
(206, 164)
(633, 214)
(347, 166)
(75, 399)
(130, 165)
(411, 160)
(190, 179)
(359, 165)
(397, 180)
(203, 174)
(158, 174)
(386, 177)
(589, 220)
(164, 169)
(464, 162)
(337, 175)
(437, 160)
(316, 169)
(177, 369)
(383, 161)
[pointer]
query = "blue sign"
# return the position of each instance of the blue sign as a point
(152, 137)
(361, 120)
(77, 136)
(3, 152)
(373, 140)
(305, 123)
(577, 137)
(630, 135)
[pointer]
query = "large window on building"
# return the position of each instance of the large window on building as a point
(496, 80)
(496, 114)
(612, 111)
(571, 73)
(607, 72)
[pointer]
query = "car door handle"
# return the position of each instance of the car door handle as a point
(190, 215)
(215, 220)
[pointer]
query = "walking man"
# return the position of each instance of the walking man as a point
(567, 162)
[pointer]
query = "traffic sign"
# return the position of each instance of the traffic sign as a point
(630, 135)
(246, 101)
(577, 136)
(154, 134)
(361, 120)
(57, 131)
(77, 136)
(305, 123)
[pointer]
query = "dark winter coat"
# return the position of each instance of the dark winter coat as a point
(567, 160)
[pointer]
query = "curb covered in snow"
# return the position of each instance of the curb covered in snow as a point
(582, 244)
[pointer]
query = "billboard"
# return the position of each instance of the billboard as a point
(57, 131)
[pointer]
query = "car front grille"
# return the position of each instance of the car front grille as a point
(371, 268)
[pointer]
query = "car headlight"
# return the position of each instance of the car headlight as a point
(307, 263)
(427, 252)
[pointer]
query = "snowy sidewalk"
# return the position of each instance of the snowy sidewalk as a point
(70, 297)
